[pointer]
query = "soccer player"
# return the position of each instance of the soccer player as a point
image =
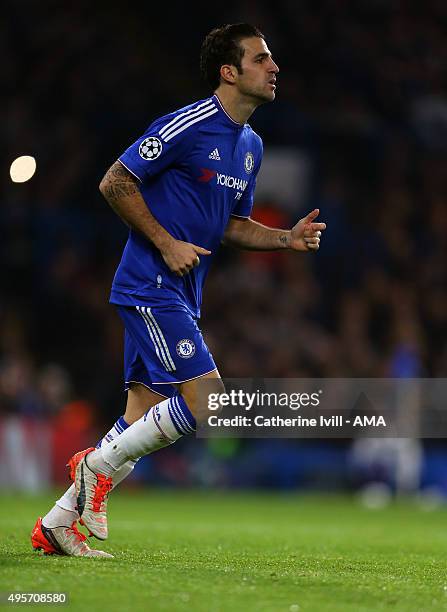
(183, 187)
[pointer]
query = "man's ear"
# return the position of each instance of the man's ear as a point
(228, 73)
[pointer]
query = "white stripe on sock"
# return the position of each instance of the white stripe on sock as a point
(181, 416)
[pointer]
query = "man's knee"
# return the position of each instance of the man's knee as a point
(197, 395)
(139, 400)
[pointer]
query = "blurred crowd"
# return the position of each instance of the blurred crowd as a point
(362, 91)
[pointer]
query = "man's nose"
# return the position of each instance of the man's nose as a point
(274, 68)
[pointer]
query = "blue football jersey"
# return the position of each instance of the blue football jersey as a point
(197, 168)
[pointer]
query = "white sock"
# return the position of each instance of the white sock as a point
(160, 426)
(64, 512)
(60, 517)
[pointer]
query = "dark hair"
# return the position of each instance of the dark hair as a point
(222, 46)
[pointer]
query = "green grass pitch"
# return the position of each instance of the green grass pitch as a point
(204, 552)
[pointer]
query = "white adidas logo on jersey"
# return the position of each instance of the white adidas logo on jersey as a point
(214, 155)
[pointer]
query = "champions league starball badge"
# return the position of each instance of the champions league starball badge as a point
(150, 148)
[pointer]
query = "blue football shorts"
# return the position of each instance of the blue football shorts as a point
(162, 346)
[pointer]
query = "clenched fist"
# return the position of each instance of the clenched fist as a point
(181, 257)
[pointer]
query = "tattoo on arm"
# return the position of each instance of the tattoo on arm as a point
(283, 239)
(122, 191)
(117, 183)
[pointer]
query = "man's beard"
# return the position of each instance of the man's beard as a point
(260, 97)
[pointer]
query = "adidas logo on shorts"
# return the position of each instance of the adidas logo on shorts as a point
(214, 155)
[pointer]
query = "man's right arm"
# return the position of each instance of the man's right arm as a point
(121, 190)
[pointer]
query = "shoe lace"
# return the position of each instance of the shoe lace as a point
(78, 535)
(102, 489)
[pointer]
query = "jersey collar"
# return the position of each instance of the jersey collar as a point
(225, 115)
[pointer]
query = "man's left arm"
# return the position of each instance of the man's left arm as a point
(251, 235)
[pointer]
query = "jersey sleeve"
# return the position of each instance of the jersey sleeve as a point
(151, 154)
(244, 205)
